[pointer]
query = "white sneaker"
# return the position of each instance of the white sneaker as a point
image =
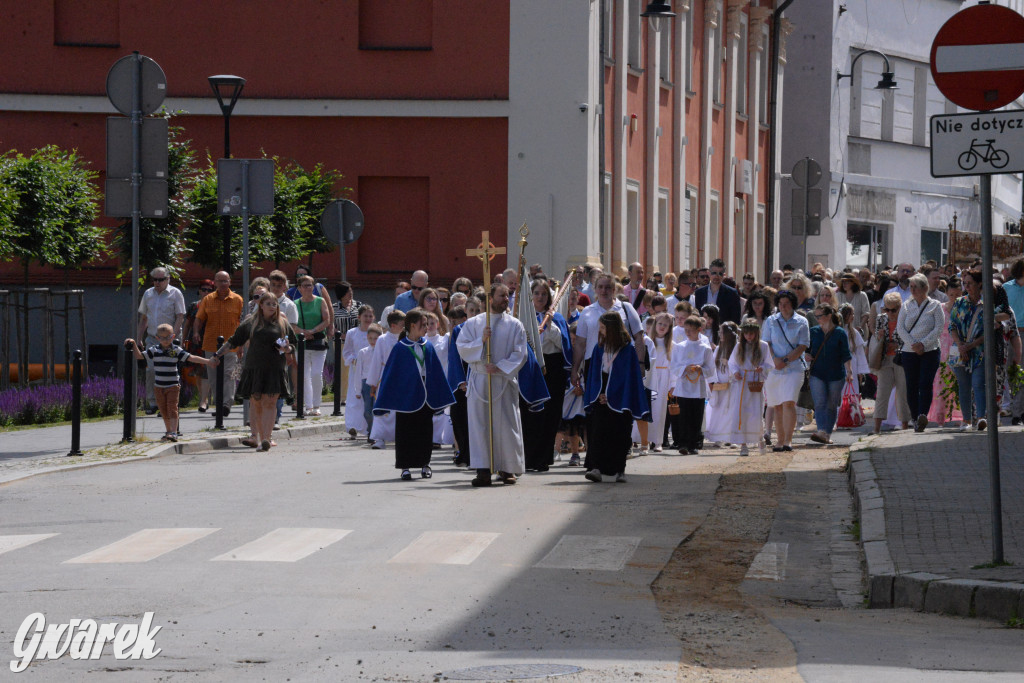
(593, 475)
(964, 425)
(378, 444)
(743, 450)
(982, 423)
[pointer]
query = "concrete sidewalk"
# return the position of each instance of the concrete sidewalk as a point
(924, 503)
(28, 452)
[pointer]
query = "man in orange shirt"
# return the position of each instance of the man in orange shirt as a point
(218, 316)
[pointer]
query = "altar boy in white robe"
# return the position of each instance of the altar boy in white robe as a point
(693, 362)
(384, 425)
(508, 354)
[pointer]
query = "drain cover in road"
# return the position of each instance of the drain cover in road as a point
(506, 672)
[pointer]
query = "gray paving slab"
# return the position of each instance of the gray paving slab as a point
(924, 502)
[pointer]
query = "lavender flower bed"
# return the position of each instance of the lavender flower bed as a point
(101, 396)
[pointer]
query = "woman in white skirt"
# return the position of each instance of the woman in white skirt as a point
(749, 364)
(720, 411)
(355, 340)
(788, 336)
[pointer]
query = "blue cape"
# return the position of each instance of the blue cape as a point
(456, 374)
(532, 387)
(401, 387)
(625, 390)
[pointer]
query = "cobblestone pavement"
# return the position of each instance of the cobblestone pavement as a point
(937, 501)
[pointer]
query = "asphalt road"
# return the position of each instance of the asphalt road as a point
(314, 561)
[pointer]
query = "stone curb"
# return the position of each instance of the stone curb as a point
(183, 448)
(921, 591)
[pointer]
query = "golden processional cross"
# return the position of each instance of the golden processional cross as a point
(486, 251)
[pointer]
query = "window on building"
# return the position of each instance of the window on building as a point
(741, 67)
(87, 24)
(766, 79)
(606, 229)
(714, 227)
(715, 36)
(632, 221)
(400, 206)
(686, 240)
(867, 246)
(608, 28)
(665, 47)
(934, 245)
(690, 48)
(860, 157)
(740, 243)
(379, 30)
(635, 33)
(757, 249)
(661, 250)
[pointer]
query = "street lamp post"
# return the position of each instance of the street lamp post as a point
(227, 88)
(888, 81)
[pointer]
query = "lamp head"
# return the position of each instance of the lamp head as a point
(888, 81)
(658, 11)
(227, 88)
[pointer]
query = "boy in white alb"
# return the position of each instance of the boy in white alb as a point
(693, 362)
(364, 358)
(384, 425)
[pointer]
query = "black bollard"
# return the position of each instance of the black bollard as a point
(130, 406)
(76, 404)
(219, 395)
(300, 388)
(337, 373)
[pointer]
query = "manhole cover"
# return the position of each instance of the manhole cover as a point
(511, 672)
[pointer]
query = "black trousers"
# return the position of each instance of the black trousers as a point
(414, 436)
(920, 372)
(691, 418)
(460, 425)
(540, 429)
(609, 440)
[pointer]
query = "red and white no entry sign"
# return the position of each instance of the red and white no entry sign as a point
(977, 57)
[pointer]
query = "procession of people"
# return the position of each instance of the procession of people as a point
(517, 374)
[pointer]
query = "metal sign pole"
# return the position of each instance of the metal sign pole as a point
(341, 232)
(136, 216)
(991, 407)
(807, 209)
(245, 229)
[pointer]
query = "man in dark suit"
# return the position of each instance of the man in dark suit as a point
(725, 297)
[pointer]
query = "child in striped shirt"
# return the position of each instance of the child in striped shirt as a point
(164, 357)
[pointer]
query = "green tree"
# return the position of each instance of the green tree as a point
(54, 204)
(290, 233)
(160, 240)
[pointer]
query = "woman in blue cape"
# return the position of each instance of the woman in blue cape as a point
(413, 386)
(539, 435)
(614, 397)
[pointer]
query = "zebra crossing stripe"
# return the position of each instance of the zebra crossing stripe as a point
(770, 563)
(284, 545)
(142, 546)
(601, 553)
(8, 543)
(445, 547)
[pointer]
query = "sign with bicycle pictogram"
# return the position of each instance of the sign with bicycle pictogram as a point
(977, 143)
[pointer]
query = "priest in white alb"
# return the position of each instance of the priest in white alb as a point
(508, 354)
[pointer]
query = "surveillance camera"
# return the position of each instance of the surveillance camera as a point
(583, 107)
